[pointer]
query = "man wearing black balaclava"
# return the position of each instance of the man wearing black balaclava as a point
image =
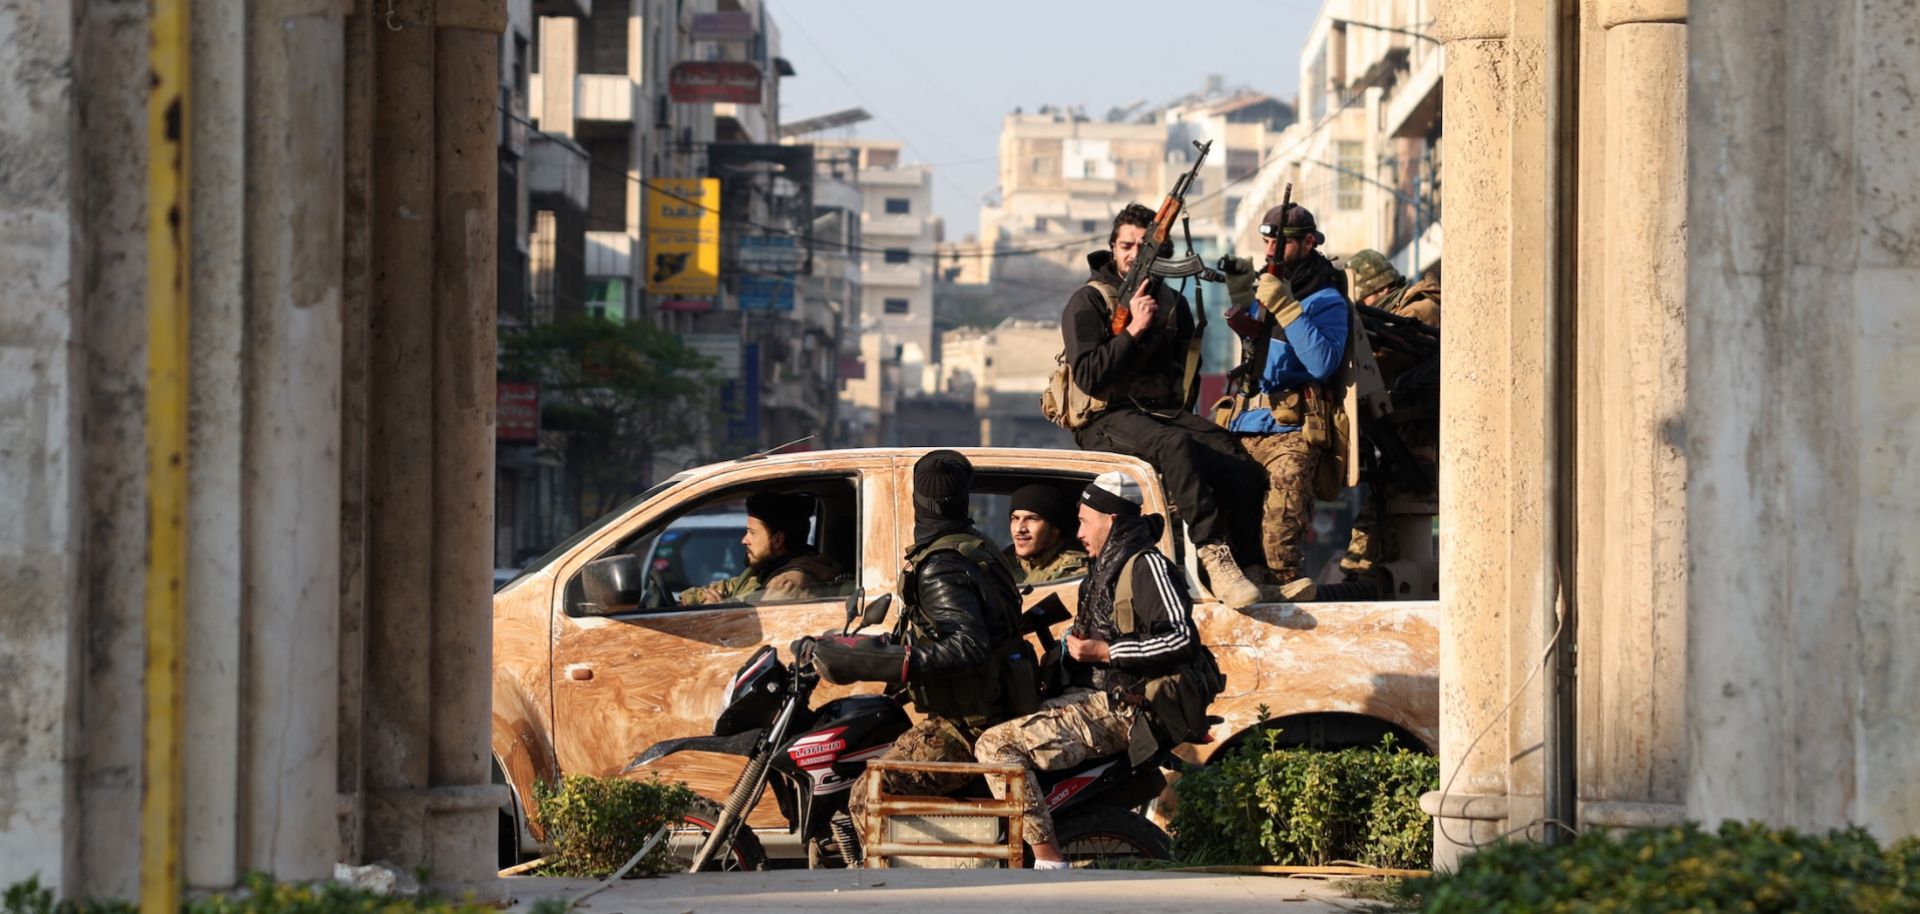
(957, 647)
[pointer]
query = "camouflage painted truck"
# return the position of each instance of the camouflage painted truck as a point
(580, 691)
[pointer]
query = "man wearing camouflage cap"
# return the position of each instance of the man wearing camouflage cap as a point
(1377, 284)
(1298, 307)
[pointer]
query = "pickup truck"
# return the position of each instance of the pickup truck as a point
(580, 691)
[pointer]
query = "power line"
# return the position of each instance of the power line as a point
(777, 230)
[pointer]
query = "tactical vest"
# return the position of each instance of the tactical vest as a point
(1176, 703)
(1149, 386)
(1008, 687)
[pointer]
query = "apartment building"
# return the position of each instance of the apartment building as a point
(1365, 155)
(1062, 177)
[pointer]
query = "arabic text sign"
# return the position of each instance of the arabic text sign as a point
(683, 236)
(714, 81)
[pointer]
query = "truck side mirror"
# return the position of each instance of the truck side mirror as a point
(613, 584)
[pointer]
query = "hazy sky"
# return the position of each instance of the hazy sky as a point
(937, 75)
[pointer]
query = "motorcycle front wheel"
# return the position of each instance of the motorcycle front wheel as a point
(1105, 837)
(745, 853)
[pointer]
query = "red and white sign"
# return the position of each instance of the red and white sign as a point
(732, 81)
(517, 408)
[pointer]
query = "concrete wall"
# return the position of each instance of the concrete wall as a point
(278, 685)
(1804, 423)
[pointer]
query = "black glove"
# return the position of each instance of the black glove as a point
(802, 648)
(844, 660)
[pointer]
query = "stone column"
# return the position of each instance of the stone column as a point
(463, 803)
(215, 619)
(291, 483)
(1491, 420)
(1804, 604)
(1630, 523)
(43, 408)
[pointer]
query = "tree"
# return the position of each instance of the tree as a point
(620, 392)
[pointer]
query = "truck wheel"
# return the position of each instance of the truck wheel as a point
(1102, 837)
(684, 841)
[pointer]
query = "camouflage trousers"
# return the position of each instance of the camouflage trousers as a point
(1371, 543)
(1066, 731)
(1291, 463)
(934, 739)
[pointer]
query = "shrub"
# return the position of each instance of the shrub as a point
(260, 895)
(596, 824)
(1264, 804)
(1745, 867)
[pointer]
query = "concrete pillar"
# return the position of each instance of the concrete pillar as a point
(426, 796)
(291, 487)
(215, 619)
(43, 367)
(399, 480)
(1630, 522)
(463, 803)
(1803, 419)
(109, 279)
(1491, 420)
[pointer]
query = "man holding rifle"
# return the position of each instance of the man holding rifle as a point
(1136, 373)
(1296, 311)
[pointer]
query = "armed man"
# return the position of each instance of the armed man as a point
(1377, 284)
(1134, 628)
(1300, 319)
(780, 564)
(1137, 379)
(957, 649)
(1038, 523)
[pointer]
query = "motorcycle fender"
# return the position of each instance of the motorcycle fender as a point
(740, 744)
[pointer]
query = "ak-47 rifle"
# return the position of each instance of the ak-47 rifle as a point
(1253, 349)
(1156, 243)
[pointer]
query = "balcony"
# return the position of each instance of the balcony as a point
(894, 275)
(878, 226)
(603, 97)
(909, 176)
(609, 254)
(555, 165)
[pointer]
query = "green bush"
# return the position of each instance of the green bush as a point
(596, 824)
(1263, 804)
(260, 895)
(1744, 867)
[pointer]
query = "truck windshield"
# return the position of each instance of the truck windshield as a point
(597, 525)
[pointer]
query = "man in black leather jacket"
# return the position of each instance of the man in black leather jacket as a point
(957, 649)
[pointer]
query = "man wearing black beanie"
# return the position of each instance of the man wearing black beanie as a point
(957, 646)
(1039, 523)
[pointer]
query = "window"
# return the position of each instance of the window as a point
(1039, 223)
(1136, 169)
(1348, 156)
(898, 255)
(1089, 225)
(899, 206)
(992, 503)
(897, 305)
(1041, 165)
(698, 557)
(1089, 169)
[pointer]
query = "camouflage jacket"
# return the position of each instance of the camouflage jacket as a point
(795, 577)
(1419, 300)
(1059, 564)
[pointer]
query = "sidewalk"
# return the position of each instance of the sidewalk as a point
(933, 891)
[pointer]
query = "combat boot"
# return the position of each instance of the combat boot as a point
(1225, 577)
(1263, 578)
(1299, 590)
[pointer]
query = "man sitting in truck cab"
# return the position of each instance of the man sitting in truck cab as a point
(1039, 523)
(780, 564)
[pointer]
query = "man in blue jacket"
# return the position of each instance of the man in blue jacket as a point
(1299, 304)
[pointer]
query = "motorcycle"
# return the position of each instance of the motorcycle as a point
(812, 756)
